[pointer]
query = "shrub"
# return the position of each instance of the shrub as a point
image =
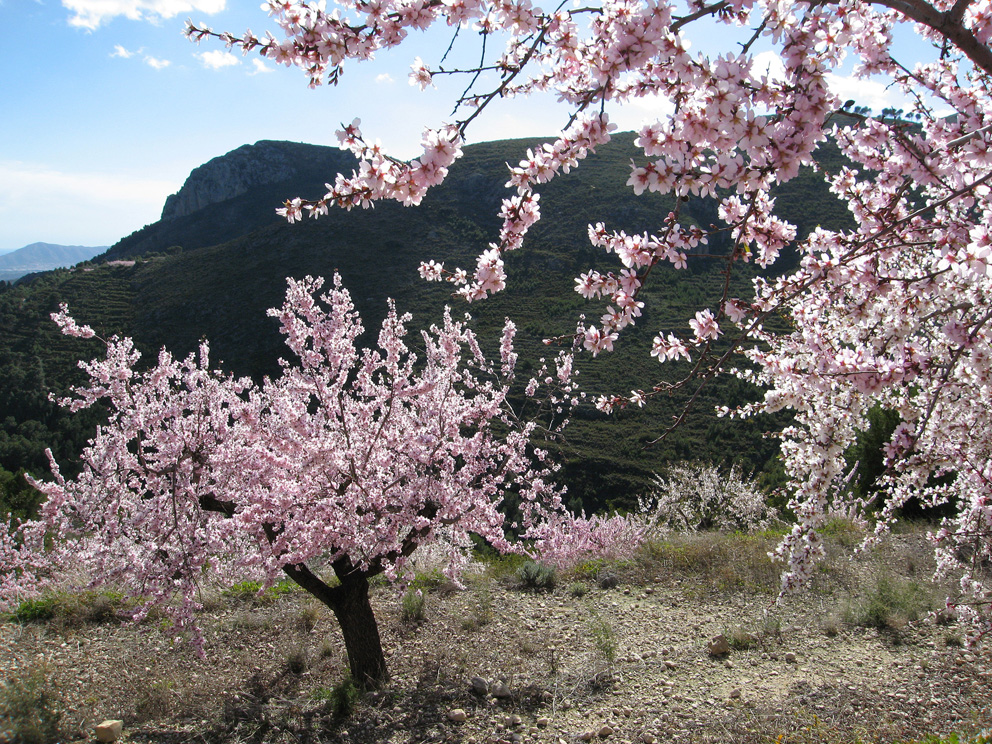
(298, 661)
(604, 640)
(607, 580)
(696, 496)
(890, 604)
(412, 610)
(307, 618)
(251, 591)
(578, 589)
(153, 700)
(537, 577)
(482, 610)
(71, 608)
(30, 709)
(341, 698)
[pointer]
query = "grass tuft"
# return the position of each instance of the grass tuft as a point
(537, 577)
(31, 709)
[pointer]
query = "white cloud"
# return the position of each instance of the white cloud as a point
(770, 64)
(155, 63)
(384, 77)
(120, 51)
(38, 202)
(260, 67)
(217, 58)
(91, 14)
(872, 93)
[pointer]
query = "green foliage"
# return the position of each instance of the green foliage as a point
(727, 562)
(604, 639)
(499, 566)
(412, 606)
(70, 608)
(251, 591)
(890, 604)
(590, 568)
(426, 580)
(30, 708)
(537, 577)
(955, 738)
(298, 660)
(341, 698)
(482, 608)
(578, 589)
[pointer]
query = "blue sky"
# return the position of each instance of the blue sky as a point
(106, 108)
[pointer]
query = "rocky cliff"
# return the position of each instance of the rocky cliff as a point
(242, 190)
(233, 174)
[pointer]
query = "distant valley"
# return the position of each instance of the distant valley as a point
(44, 257)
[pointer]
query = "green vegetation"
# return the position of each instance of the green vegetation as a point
(70, 608)
(604, 640)
(537, 577)
(30, 708)
(729, 562)
(341, 698)
(890, 604)
(412, 608)
(251, 591)
(214, 274)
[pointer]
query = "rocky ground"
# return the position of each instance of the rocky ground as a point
(587, 661)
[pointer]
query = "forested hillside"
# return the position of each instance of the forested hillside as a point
(214, 272)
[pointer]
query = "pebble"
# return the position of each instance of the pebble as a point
(718, 646)
(457, 715)
(479, 686)
(109, 731)
(500, 690)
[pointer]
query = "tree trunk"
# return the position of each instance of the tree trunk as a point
(350, 604)
(361, 633)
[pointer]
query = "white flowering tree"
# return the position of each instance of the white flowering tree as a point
(694, 496)
(334, 472)
(894, 312)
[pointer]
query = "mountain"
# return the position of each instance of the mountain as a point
(43, 257)
(233, 194)
(219, 258)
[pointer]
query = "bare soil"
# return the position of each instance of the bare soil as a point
(628, 663)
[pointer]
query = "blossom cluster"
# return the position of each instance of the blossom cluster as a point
(350, 456)
(892, 312)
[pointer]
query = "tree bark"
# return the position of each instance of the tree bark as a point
(350, 604)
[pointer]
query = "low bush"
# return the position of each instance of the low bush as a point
(30, 708)
(890, 604)
(412, 609)
(71, 608)
(727, 562)
(537, 577)
(341, 698)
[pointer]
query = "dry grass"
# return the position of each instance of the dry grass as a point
(631, 655)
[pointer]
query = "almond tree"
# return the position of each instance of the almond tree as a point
(894, 312)
(334, 472)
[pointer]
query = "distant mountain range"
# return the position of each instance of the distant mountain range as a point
(44, 257)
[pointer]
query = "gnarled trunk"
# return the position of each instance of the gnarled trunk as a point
(350, 604)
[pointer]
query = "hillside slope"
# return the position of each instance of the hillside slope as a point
(213, 271)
